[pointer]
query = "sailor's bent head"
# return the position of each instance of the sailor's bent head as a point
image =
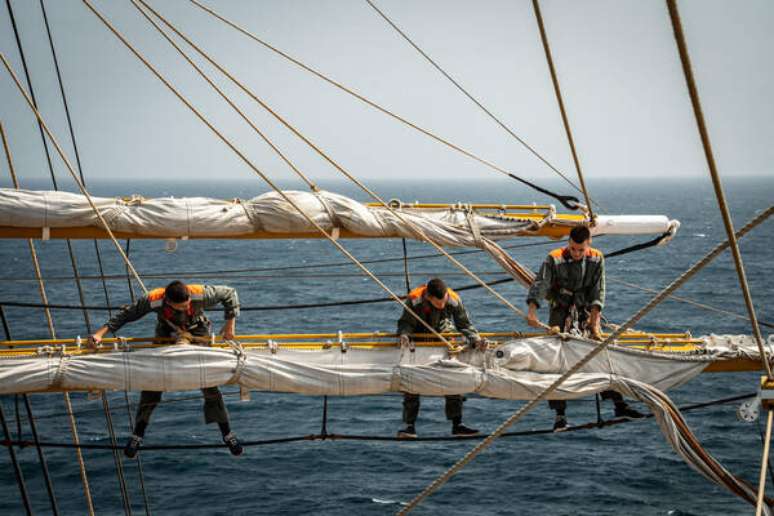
(177, 296)
(437, 293)
(579, 242)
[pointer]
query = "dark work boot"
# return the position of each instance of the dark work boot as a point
(132, 446)
(624, 410)
(408, 433)
(459, 429)
(560, 423)
(233, 444)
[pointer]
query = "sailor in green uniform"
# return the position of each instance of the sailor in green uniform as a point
(572, 279)
(441, 308)
(180, 313)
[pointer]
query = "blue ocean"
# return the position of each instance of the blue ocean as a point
(623, 469)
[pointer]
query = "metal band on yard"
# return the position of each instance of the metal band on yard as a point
(261, 174)
(514, 269)
(677, 283)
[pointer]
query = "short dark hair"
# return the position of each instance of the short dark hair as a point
(436, 288)
(177, 292)
(580, 234)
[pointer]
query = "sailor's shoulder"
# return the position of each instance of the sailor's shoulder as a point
(594, 255)
(557, 255)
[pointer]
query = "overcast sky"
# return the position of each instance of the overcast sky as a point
(617, 63)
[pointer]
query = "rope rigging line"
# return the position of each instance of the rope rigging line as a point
(716, 183)
(324, 435)
(70, 168)
(16, 467)
(693, 93)
(489, 113)
(503, 259)
(116, 455)
(371, 300)
(73, 260)
(40, 124)
(686, 300)
(230, 102)
(599, 347)
(161, 275)
(52, 331)
(560, 101)
(36, 440)
(130, 418)
(258, 172)
(569, 202)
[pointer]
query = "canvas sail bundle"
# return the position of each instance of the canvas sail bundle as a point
(199, 217)
(516, 370)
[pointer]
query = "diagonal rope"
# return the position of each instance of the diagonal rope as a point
(691, 302)
(261, 174)
(693, 92)
(105, 291)
(70, 168)
(52, 332)
(569, 202)
(480, 105)
(513, 267)
(677, 283)
(717, 185)
(558, 92)
(16, 467)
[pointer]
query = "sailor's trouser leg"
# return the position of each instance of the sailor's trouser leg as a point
(613, 396)
(214, 408)
(558, 405)
(410, 408)
(148, 402)
(558, 316)
(454, 407)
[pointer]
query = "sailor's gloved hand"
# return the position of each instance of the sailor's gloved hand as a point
(478, 343)
(94, 341)
(405, 341)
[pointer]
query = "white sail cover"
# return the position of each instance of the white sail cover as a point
(201, 217)
(516, 370)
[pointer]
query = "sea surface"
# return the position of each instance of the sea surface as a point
(624, 469)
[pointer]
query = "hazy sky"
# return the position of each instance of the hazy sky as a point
(617, 62)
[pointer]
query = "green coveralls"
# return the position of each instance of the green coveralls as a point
(452, 318)
(197, 324)
(567, 283)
